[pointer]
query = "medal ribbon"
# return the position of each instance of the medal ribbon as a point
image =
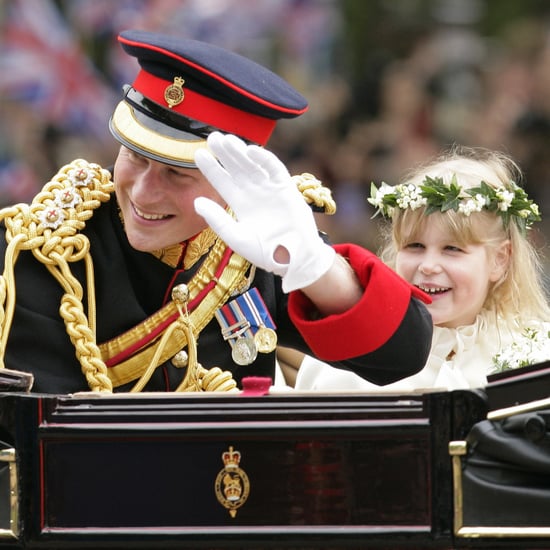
(244, 315)
(251, 302)
(234, 324)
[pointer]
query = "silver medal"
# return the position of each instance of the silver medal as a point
(244, 350)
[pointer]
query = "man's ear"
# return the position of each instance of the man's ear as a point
(501, 260)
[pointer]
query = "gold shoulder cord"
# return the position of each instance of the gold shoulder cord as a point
(315, 193)
(50, 227)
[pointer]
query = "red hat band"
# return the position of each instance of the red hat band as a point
(209, 111)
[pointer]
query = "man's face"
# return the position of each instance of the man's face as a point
(156, 200)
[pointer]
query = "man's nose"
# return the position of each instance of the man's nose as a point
(148, 183)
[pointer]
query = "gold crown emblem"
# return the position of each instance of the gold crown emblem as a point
(231, 458)
(232, 487)
(173, 94)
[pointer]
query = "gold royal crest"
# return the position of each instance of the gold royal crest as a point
(232, 484)
(173, 94)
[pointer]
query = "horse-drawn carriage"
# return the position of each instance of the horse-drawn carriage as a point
(461, 469)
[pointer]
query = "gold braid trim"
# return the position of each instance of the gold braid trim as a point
(49, 227)
(197, 378)
(232, 279)
(197, 247)
(194, 250)
(315, 193)
(170, 255)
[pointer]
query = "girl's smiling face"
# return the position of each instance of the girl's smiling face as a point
(457, 276)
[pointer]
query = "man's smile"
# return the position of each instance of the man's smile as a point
(149, 216)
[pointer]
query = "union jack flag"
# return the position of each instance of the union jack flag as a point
(43, 65)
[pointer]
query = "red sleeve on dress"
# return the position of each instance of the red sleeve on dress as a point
(366, 326)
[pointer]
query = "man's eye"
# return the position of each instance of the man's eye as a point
(136, 157)
(176, 172)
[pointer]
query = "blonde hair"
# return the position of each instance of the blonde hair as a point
(519, 295)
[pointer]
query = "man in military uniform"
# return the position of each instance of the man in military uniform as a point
(185, 267)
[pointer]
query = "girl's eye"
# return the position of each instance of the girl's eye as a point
(414, 245)
(453, 248)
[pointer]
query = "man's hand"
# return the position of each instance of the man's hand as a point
(274, 228)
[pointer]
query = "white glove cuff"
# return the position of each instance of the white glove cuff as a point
(306, 273)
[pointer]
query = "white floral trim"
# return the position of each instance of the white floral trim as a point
(510, 203)
(531, 348)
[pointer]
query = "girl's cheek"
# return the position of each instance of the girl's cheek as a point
(401, 270)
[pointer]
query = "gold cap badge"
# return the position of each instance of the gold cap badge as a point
(173, 94)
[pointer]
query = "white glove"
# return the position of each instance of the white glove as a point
(270, 211)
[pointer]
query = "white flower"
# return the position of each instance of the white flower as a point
(410, 197)
(378, 199)
(524, 213)
(505, 199)
(473, 204)
(532, 347)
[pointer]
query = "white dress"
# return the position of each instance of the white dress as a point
(460, 358)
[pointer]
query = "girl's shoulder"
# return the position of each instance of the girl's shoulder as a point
(489, 321)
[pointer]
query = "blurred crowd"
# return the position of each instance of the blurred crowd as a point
(443, 81)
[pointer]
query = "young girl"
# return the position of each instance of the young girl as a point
(459, 232)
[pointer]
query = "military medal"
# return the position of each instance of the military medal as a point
(262, 323)
(265, 339)
(248, 326)
(239, 335)
(244, 350)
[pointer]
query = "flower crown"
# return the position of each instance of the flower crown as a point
(438, 196)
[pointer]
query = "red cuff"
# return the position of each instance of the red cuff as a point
(366, 326)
